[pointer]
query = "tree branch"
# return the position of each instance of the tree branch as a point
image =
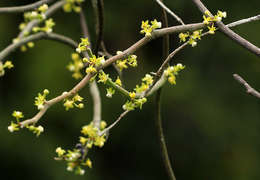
(19, 9)
(108, 62)
(170, 12)
(114, 123)
(249, 89)
(36, 37)
(231, 34)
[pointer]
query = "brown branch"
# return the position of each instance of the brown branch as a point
(19, 9)
(170, 12)
(249, 89)
(229, 33)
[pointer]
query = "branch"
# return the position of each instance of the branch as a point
(163, 146)
(19, 9)
(114, 123)
(231, 34)
(249, 89)
(36, 37)
(35, 22)
(108, 62)
(98, 6)
(169, 11)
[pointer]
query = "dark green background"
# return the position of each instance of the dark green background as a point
(212, 126)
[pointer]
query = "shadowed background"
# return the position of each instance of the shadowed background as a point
(211, 125)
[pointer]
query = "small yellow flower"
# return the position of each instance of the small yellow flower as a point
(91, 69)
(212, 29)
(172, 79)
(60, 151)
(118, 81)
(17, 114)
(183, 36)
(132, 95)
(83, 140)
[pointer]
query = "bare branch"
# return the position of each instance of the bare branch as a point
(170, 12)
(231, 34)
(35, 37)
(243, 21)
(114, 123)
(249, 89)
(19, 9)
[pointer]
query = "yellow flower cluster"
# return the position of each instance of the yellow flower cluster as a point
(6, 65)
(75, 66)
(147, 28)
(172, 71)
(123, 64)
(208, 20)
(16, 126)
(77, 157)
(48, 25)
(40, 99)
(72, 5)
(70, 103)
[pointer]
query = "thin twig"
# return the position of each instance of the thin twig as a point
(163, 146)
(170, 12)
(243, 21)
(35, 22)
(249, 89)
(19, 9)
(35, 37)
(114, 123)
(227, 31)
(98, 6)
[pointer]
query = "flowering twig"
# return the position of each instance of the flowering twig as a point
(35, 22)
(170, 12)
(249, 89)
(227, 31)
(19, 9)
(128, 51)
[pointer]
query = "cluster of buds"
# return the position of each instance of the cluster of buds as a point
(37, 14)
(6, 65)
(72, 5)
(172, 71)
(131, 60)
(48, 25)
(208, 20)
(72, 102)
(15, 126)
(147, 28)
(41, 99)
(77, 158)
(146, 82)
(75, 66)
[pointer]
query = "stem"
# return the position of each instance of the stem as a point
(163, 146)
(19, 9)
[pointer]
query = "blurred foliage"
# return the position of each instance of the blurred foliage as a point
(212, 126)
